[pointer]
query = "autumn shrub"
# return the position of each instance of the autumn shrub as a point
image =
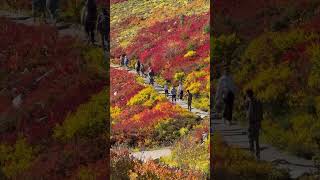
(143, 127)
(202, 103)
(88, 121)
(190, 152)
(313, 79)
(17, 158)
(233, 163)
(86, 174)
(169, 130)
(146, 97)
(120, 164)
(297, 138)
(95, 63)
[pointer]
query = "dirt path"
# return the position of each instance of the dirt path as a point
(64, 29)
(236, 136)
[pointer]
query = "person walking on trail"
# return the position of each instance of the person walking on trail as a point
(38, 9)
(228, 106)
(189, 98)
(137, 66)
(166, 89)
(52, 8)
(121, 60)
(151, 80)
(142, 69)
(126, 61)
(151, 72)
(180, 91)
(173, 94)
(225, 84)
(103, 27)
(255, 116)
(89, 18)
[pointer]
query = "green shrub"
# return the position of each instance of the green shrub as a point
(170, 130)
(14, 160)
(188, 154)
(89, 120)
(86, 174)
(234, 163)
(120, 165)
(95, 64)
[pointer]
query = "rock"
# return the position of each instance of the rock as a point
(17, 101)
(25, 71)
(42, 119)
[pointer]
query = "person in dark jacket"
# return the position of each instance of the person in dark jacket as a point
(228, 108)
(89, 19)
(189, 96)
(142, 70)
(52, 7)
(121, 61)
(38, 9)
(104, 27)
(173, 94)
(137, 66)
(255, 116)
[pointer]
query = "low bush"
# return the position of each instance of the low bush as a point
(15, 159)
(233, 163)
(88, 121)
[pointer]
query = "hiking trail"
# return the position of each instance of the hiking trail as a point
(156, 154)
(236, 136)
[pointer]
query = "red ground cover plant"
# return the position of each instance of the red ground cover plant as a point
(51, 74)
(164, 45)
(123, 87)
(48, 72)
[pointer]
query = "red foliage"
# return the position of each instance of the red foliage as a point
(164, 44)
(30, 53)
(123, 87)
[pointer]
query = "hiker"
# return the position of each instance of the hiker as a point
(180, 91)
(38, 9)
(103, 27)
(142, 69)
(225, 84)
(121, 60)
(88, 19)
(255, 116)
(228, 99)
(166, 89)
(52, 7)
(137, 66)
(151, 72)
(126, 61)
(189, 96)
(151, 80)
(173, 94)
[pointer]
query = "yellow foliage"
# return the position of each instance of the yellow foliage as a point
(146, 97)
(115, 112)
(15, 159)
(190, 54)
(179, 76)
(194, 87)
